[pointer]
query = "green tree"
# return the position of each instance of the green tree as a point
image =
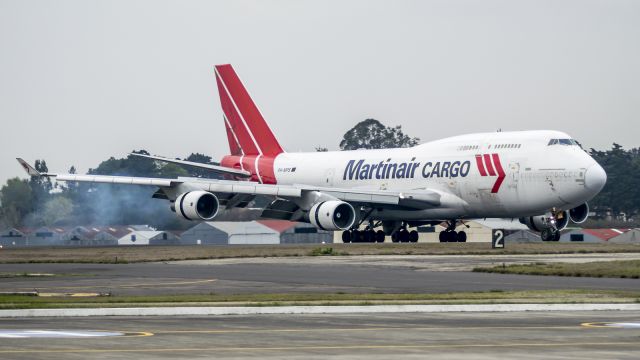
(40, 185)
(172, 171)
(622, 192)
(17, 201)
(198, 172)
(372, 134)
(56, 210)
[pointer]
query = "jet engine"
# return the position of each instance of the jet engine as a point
(332, 215)
(197, 205)
(541, 222)
(579, 214)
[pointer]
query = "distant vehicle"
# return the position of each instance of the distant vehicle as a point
(542, 177)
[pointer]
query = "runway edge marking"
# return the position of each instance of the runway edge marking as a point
(258, 310)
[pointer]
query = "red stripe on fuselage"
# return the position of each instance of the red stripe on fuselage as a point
(501, 174)
(267, 169)
(483, 172)
(487, 162)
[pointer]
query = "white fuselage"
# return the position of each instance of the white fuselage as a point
(537, 176)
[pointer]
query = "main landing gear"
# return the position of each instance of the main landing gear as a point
(369, 235)
(363, 236)
(450, 234)
(404, 235)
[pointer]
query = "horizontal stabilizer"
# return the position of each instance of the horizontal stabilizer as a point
(28, 168)
(214, 168)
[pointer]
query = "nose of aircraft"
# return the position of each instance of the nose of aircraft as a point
(595, 178)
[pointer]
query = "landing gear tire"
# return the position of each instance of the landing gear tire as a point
(368, 236)
(449, 236)
(346, 236)
(461, 236)
(546, 235)
(413, 236)
(556, 236)
(403, 235)
(379, 236)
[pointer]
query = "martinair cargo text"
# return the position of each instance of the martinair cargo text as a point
(542, 177)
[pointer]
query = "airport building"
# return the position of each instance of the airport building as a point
(279, 232)
(254, 232)
(230, 233)
(148, 237)
(593, 235)
(13, 237)
(298, 233)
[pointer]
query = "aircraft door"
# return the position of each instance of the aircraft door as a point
(328, 175)
(514, 170)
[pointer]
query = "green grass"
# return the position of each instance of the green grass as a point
(484, 297)
(133, 254)
(613, 269)
(324, 251)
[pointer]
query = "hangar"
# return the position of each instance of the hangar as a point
(298, 233)
(147, 237)
(229, 233)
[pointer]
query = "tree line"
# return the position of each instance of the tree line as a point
(38, 202)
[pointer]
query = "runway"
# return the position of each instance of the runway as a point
(358, 274)
(529, 335)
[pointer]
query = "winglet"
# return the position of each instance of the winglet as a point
(28, 168)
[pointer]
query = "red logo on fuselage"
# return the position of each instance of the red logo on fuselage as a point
(489, 165)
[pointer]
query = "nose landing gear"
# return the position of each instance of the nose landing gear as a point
(550, 234)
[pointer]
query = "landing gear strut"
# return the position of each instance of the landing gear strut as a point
(450, 234)
(550, 234)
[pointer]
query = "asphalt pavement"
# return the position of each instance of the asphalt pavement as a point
(529, 335)
(408, 274)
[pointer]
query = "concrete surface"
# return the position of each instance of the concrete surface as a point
(521, 335)
(343, 309)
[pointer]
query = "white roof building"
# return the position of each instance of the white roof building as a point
(138, 237)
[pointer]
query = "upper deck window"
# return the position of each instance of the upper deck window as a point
(562, 142)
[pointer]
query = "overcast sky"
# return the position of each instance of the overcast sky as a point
(84, 80)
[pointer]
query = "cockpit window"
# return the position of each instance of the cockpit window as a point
(562, 142)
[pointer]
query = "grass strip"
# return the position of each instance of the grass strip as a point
(484, 297)
(134, 254)
(612, 269)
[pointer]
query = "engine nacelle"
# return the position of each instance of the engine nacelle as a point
(541, 222)
(332, 215)
(197, 205)
(579, 214)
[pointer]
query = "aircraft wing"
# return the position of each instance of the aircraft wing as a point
(289, 198)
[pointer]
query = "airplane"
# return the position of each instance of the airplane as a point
(542, 177)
